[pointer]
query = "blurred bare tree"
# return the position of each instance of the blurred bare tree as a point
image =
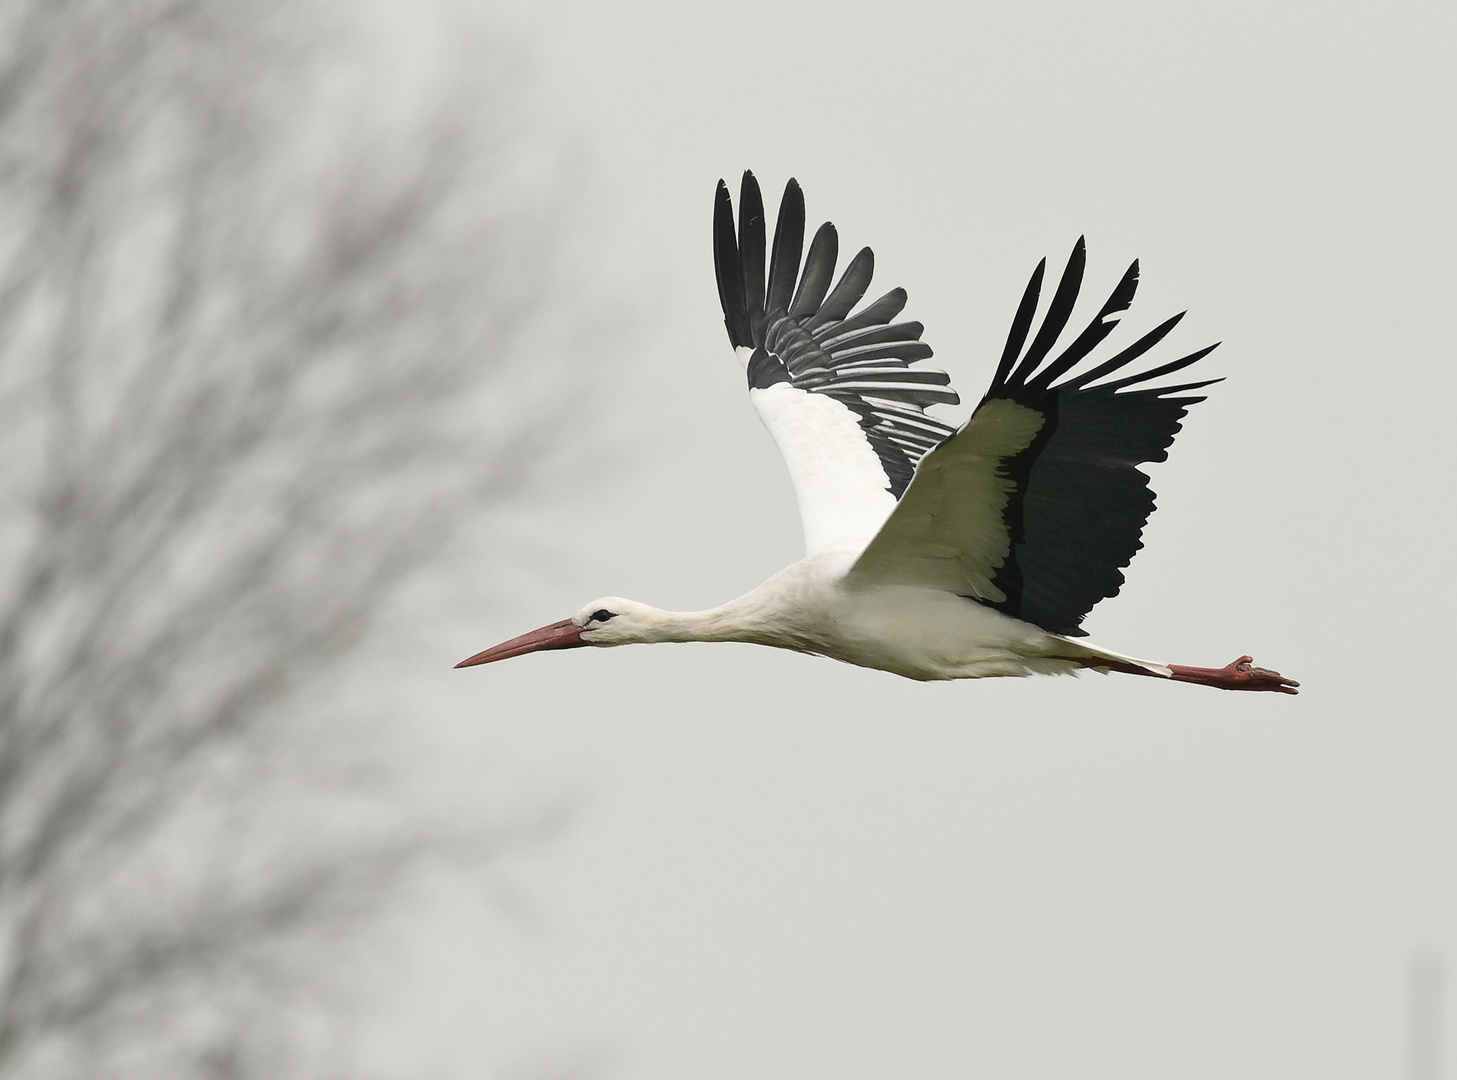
(260, 355)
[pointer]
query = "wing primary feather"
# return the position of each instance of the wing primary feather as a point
(819, 268)
(1058, 312)
(751, 249)
(729, 270)
(891, 376)
(1101, 326)
(788, 246)
(900, 350)
(878, 313)
(1133, 352)
(1154, 373)
(906, 331)
(1021, 324)
(852, 285)
(915, 393)
(841, 366)
(1163, 391)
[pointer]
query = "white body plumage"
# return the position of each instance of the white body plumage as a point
(912, 631)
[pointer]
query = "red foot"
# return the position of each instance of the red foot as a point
(1240, 675)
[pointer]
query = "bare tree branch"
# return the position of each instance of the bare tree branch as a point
(243, 334)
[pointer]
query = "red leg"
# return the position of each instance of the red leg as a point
(1239, 675)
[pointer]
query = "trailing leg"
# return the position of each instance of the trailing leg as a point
(1241, 674)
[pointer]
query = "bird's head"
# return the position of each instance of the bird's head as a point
(608, 621)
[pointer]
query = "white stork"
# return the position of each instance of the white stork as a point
(930, 552)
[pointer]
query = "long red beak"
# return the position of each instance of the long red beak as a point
(559, 635)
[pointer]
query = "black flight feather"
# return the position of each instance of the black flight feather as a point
(788, 240)
(901, 350)
(1021, 323)
(851, 288)
(842, 342)
(729, 270)
(819, 270)
(1058, 313)
(875, 314)
(1158, 372)
(751, 245)
(1101, 326)
(1133, 352)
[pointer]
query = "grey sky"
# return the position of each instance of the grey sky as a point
(785, 867)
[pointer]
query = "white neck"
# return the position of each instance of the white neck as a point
(718, 624)
(745, 619)
(772, 614)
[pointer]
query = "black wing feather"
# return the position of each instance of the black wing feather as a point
(788, 242)
(819, 271)
(1076, 516)
(851, 288)
(1058, 313)
(1166, 369)
(1101, 326)
(876, 314)
(802, 332)
(909, 351)
(729, 270)
(1133, 352)
(751, 245)
(1021, 322)
(906, 331)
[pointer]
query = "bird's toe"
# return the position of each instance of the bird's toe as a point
(1245, 676)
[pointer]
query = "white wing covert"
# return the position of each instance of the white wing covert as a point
(836, 390)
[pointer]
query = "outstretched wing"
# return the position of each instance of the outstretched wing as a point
(1035, 506)
(835, 389)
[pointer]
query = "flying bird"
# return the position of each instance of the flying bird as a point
(931, 552)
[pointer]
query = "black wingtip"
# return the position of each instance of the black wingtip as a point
(728, 268)
(819, 271)
(1021, 324)
(1131, 277)
(1102, 325)
(847, 293)
(1159, 372)
(786, 250)
(751, 250)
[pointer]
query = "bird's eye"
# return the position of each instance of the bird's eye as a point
(602, 615)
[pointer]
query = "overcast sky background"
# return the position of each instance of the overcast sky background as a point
(779, 866)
